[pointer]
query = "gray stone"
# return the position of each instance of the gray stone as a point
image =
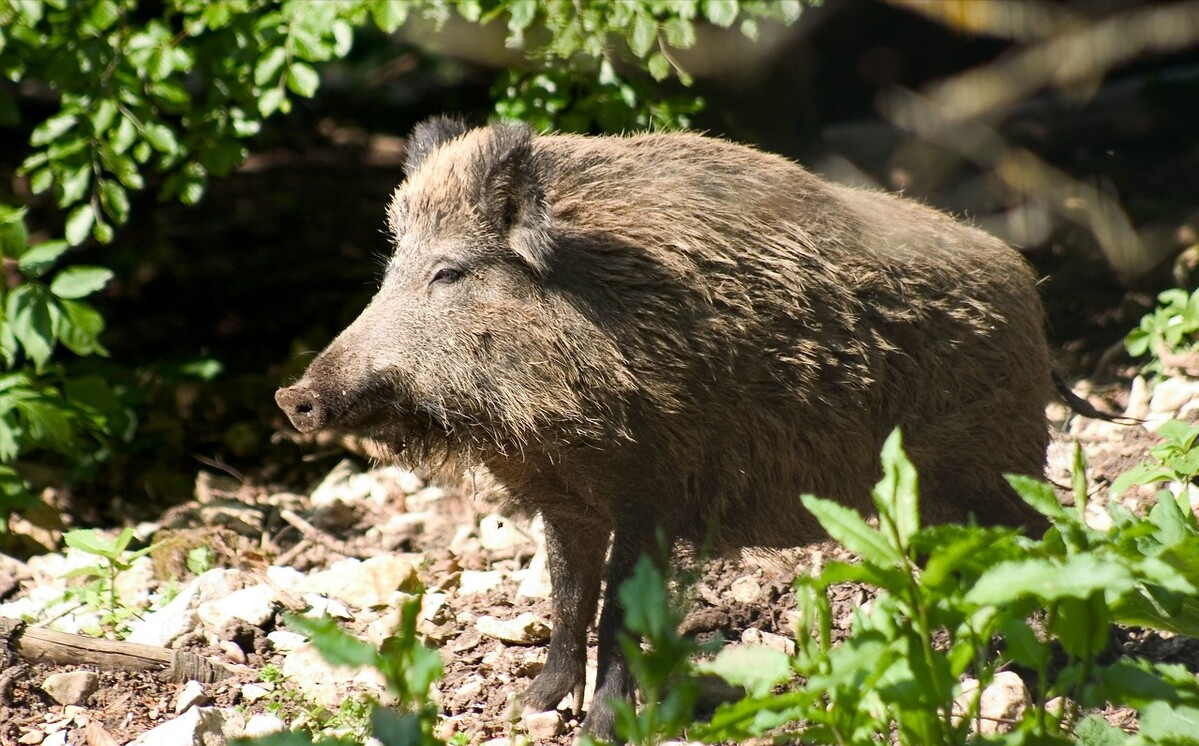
(71, 687)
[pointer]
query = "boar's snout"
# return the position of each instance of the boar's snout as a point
(303, 407)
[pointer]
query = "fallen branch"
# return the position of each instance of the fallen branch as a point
(40, 645)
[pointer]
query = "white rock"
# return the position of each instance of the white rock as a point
(177, 618)
(754, 636)
(71, 687)
(133, 585)
(319, 605)
(254, 605)
(364, 585)
(255, 692)
(58, 738)
(325, 684)
(32, 605)
(284, 640)
(263, 725)
(33, 737)
(746, 590)
(286, 579)
(526, 629)
(1138, 398)
(1172, 394)
(219, 582)
(535, 579)
(342, 483)
(498, 533)
(478, 581)
(500, 741)
(542, 726)
(192, 695)
(199, 726)
(408, 482)
(1003, 700)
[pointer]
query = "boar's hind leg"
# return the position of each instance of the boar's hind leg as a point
(613, 681)
(575, 552)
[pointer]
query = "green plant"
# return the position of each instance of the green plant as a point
(1175, 459)
(583, 80)
(946, 593)
(165, 96)
(99, 589)
(1171, 329)
(409, 669)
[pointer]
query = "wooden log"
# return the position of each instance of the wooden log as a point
(43, 645)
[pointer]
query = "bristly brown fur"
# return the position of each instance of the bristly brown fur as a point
(672, 332)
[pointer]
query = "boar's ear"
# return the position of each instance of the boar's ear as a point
(515, 193)
(427, 137)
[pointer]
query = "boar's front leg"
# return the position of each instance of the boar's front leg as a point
(613, 681)
(575, 552)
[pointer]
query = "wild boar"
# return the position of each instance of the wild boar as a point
(674, 333)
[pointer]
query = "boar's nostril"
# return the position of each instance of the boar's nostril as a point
(300, 404)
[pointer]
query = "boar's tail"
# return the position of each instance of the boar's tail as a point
(1085, 408)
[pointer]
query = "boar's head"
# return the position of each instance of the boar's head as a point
(474, 347)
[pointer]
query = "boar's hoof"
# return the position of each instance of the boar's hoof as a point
(550, 687)
(303, 407)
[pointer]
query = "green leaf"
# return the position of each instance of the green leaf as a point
(269, 65)
(14, 237)
(679, 32)
(114, 199)
(658, 66)
(29, 319)
(161, 138)
(896, 494)
(80, 329)
(521, 14)
(37, 260)
(1076, 577)
(93, 542)
(757, 669)
(336, 646)
(79, 224)
(643, 35)
(302, 79)
(270, 101)
(1095, 731)
(847, 527)
(721, 12)
(389, 15)
(1038, 494)
(79, 281)
(1175, 724)
(52, 129)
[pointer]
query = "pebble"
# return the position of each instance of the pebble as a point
(535, 579)
(198, 726)
(497, 533)
(58, 738)
(192, 695)
(71, 687)
(746, 590)
(526, 629)
(171, 622)
(255, 692)
(1004, 699)
(1172, 394)
(471, 582)
(542, 726)
(263, 725)
(284, 640)
(753, 636)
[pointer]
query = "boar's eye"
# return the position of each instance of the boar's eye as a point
(446, 275)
